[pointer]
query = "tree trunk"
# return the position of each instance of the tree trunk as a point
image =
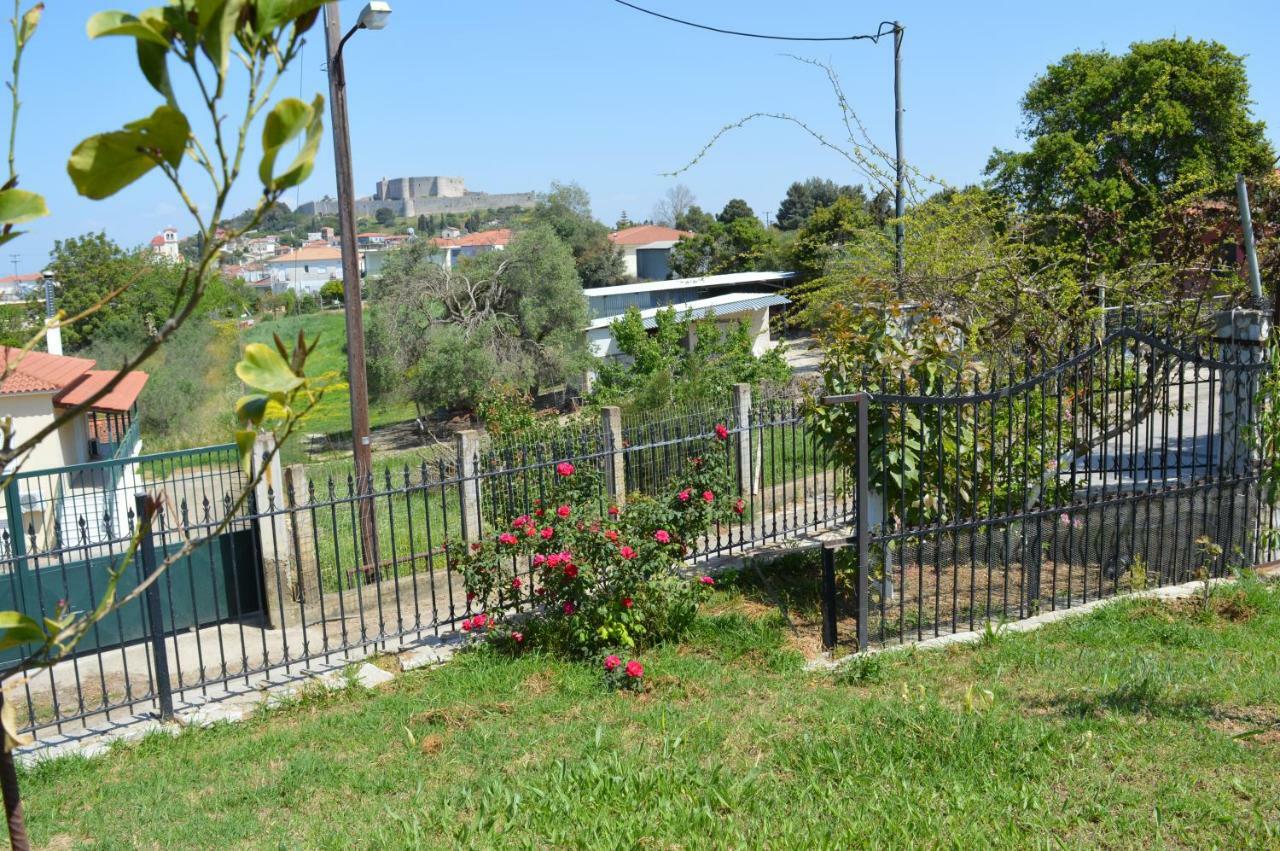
(12, 799)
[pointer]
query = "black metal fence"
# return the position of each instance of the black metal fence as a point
(1124, 465)
(1129, 464)
(317, 569)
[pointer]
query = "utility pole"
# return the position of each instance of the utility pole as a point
(899, 230)
(356, 376)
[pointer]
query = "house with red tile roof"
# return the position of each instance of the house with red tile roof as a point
(165, 244)
(646, 250)
(35, 389)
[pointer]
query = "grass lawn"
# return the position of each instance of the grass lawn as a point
(334, 412)
(1141, 725)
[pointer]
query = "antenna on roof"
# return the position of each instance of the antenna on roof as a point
(53, 336)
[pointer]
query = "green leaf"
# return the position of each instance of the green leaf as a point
(102, 165)
(286, 120)
(263, 369)
(16, 628)
(245, 439)
(276, 13)
(18, 205)
(123, 23)
(153, 60)
(218, 20)
(30, 20)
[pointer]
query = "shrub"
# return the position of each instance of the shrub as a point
(596, 579)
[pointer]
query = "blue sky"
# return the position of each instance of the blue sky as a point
(513, 94)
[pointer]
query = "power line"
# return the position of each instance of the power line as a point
(875, 37)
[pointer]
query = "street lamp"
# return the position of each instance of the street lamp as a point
(372, 17)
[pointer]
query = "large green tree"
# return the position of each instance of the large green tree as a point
(1118, 143)
(566, 210)
(742, 245)
(139, 290)
(510, 318)
(806, 196)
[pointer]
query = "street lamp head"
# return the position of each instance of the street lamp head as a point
(374, 15)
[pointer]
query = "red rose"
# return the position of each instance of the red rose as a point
(520, 521)
(517, 637)
(739, 506)
(563, 511)
(662, 536)
(627, 602)
(707, 580)
(684, 495)
(506, 538)
(611, 662)
(613, 511)
(708, 496)
(547, 532)
(571, 571)
(569, 608)
(565, 469)
(627, 552)
(635, 670)
(612, 535)
(721, 432)
(517, 582)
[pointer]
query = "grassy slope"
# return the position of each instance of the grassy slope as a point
(1123, 728)
(334, 412)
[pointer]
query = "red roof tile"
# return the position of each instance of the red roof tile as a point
(39, 372)
(120, 399)
(645, 234)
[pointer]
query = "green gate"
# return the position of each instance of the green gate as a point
(69, 527)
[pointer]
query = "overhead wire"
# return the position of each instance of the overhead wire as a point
(874, 38)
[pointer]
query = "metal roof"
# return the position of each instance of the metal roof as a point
(719, 306)
(726, 280)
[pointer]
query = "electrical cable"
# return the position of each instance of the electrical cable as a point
(874, 38)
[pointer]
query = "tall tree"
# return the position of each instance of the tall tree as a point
(566, 210)
(674, 204)
(444, 336)
(1118, 142)
(695, 219)
(743, 245)
(805, 196)
(734, 210)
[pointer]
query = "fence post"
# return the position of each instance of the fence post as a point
(615, 458)
(17, 531)
(145, 511)
(468, 447)
(273, 535)
(861, 500)
(302, 541)
(829, 597)
(748, 472)
(1242, 334)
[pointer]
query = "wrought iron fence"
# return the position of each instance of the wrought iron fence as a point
(1129, 464)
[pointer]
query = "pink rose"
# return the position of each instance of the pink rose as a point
(635, 670)
(539, 560)
(565, 469)
(662, 536)
(547, 532)
(563, 511)
(517, 637)
(739, 506)
(517, 582)
(466, 625)
(721, 432)
(684, 496)
(611, 662)
(569, 608)
(707, 580)
(627, 552)
(479, 620)
(520, 521)
(708, 496)
(506, 538)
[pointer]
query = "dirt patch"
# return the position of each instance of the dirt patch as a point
(1233, 606)
(1255, 726)
(460, 717)
(432, 744)
(539, 683)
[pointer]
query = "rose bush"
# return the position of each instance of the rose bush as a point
(589, 578)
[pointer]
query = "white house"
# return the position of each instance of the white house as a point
(165, 244)
(38, 387)
(646, 250)
(307, 268)
(729, 298)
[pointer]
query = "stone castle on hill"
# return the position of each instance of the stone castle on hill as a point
(414, 196)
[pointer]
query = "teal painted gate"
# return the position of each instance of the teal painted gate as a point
(69, 527)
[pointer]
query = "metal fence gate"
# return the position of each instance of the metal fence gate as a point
(1129, 464)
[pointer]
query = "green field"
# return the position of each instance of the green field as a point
(1142, 725)
(334, 412)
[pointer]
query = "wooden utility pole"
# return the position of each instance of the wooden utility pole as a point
(352, 306)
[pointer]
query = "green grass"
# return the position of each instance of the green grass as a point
(1137, 726)
(333, 414)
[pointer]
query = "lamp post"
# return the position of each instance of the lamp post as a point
(372, 17)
